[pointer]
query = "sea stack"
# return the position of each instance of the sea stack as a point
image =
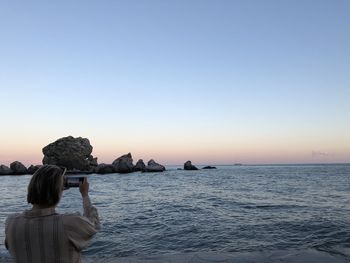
(140, 166)
(152, 166)
(189, 166)
(124, 164)
(18, 168)
(72, 153)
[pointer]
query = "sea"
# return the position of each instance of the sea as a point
(247, 213)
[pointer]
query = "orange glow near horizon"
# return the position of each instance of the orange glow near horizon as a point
(204, 148)
(178, 151)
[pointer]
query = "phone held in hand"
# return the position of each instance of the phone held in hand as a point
(73, 181)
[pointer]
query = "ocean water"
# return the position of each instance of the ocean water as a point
(292, 213)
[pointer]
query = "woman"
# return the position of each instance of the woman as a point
(42, 235)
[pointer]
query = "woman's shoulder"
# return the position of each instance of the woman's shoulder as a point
(14, 216)
(11, 218)
(68, 215)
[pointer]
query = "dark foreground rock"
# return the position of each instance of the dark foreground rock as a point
(18, 168)
(189, 166)
(124, 164)
(140, 166)
(209, 167)
(70, 152)
(5, 170)
(152, 166)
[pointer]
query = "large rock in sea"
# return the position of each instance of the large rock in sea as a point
(18, 168)
(140, 166)
(152, 166)
(124, 164)
(5, 170)
(70, 152)
(189, 166)
(103, 168)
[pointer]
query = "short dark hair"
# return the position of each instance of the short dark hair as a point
(46, 186)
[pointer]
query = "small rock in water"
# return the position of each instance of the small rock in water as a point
(188, 166)
(209, 167)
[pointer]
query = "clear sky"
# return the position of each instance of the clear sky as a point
(215, 82)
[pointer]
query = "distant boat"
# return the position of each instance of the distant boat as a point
(237, 164)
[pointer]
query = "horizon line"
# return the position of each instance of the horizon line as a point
(261, 164)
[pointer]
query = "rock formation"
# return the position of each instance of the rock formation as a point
(140, 166)
(105, 169)
(5, 170)
(188, 166)
(70, 152)
(152, 166)
(33, 168)
(124, 164)
(18, 168)
(92, 160)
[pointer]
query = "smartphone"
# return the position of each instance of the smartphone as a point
(73, 181)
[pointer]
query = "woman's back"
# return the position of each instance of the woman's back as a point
(42, 235)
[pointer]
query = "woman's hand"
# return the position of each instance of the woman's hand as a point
(84, 187)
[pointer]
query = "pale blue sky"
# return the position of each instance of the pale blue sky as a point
(248, 81)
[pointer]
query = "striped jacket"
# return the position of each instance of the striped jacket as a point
(44, 236)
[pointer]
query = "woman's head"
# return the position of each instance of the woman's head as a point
(45, 187)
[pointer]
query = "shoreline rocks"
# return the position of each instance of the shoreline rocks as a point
(102, 168)
(75, 154)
